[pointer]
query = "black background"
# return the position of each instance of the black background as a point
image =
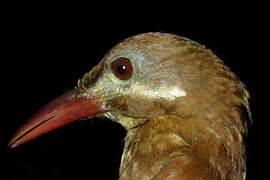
(46, 49)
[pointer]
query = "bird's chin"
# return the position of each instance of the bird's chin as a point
(127, 121)
(61, 111)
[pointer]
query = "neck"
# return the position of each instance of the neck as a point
(147, 148)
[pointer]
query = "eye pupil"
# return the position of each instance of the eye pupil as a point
(122, 68)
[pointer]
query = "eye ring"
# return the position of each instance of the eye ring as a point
(122, 68)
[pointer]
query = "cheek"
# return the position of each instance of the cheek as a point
(137, 107)
(146, 108)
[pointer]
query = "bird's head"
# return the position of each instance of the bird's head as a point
(143, 77)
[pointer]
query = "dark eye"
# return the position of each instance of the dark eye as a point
(122, 68)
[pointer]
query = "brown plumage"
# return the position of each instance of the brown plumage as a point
(184, 111)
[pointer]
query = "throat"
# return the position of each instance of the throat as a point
(127, 122)
(148, 144)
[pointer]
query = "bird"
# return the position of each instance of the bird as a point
(185, 112)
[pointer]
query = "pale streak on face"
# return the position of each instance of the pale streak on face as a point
(169, 93)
